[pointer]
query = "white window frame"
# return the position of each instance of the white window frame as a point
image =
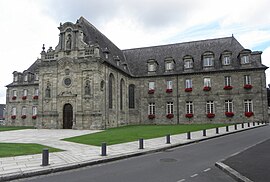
(151, 108)
(25, 92)
(247, 79)
(169, 107)
(228, 106)
(169, 66)
(34, 110)
(14, 93)
(169, 84)
(36, 77)
(245, 59)
(188, 63)
(208, 61)
(24, 110)
(13, 111)
(226, 60)
(248, 105)
(207, 82)
(25, 78)
(189, 107)
(151, 86)
(188, 83)
(36, 92)
(151, 67)
(228, 80)
(16, 78)
(210, 107)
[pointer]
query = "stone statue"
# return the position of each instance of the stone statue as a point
(87, 88)
(48, 92)
(68, 43)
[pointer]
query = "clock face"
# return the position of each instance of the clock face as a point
(67, 82)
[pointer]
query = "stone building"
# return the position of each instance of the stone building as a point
(87, 82)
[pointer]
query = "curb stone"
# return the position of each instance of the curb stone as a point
(106, 159)
(231, 172)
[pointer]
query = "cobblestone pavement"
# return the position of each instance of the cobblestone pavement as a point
(76, 155)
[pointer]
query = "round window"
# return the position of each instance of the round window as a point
(67, 81)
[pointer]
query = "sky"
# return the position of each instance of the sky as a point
(27, 24)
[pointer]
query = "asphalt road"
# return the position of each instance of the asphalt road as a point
(193, 162)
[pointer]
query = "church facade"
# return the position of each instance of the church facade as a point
(87, 82)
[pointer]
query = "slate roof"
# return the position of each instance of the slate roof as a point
(137, 58)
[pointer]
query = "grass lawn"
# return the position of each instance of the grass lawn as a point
(133, 133)
(8, 128)
(16, 149)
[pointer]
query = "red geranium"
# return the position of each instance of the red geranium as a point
(229, 114)
(168, 90)
(170, 116)
(151, 91)
(249, 114)
(188, 90)
(190, 115)
(247, 86)
(206, 88)
(210, 115)
(227, 87)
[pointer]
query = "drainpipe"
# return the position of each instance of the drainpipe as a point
(177, 100)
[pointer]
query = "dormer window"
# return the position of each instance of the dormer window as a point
(245, 59)
(169, 64)
(208, 59)
(245, 56)
(226, 60)
(25, 78)
(188, 62)
(152, 65)
(15, 78)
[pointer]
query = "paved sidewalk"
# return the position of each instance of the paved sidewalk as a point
(78, 155)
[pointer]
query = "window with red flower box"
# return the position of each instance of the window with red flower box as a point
(229, 114)
(249, 114)
(169, 116)
(228, 88)
(151, 87)
(34, 117)
(247, 86)
(151, 91)
(151, 116)
(188, 89)
(14, 97)
(13, 117)
(189, 115)
(35, 97)
(23, 116)
(210, 115)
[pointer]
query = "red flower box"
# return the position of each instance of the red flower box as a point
(14, 98)
(247, 86)
(188, 89)
(170, 116)
(151, 116)
(228, 87)
(24, 97)
(249, 114)
(34, 117)
(23, 116)
(229, 114)
(206, 88)
(35, 97)
(210, 115)
(151, 91)
(189, 115)
(168, 90)
(13, 117)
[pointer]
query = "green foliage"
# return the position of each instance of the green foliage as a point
(133, 133)
(16, 149)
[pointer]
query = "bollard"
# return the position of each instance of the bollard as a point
(235, 126)
(253, 123)
(248, 124)
(168, 139)
(204, 132)
(141, 143)
(45, 157)
(227, 128)
(217, 130)
(243, 125)
(188, 135)
(258, 122)
(103, 149)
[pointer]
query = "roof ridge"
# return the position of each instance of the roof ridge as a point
(187, 42)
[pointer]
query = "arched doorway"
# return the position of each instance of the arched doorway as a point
(67, 116)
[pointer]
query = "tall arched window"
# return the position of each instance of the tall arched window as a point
(122, 86)
(131, 96)
(111, 90)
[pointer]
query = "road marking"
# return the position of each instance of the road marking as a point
(208, 169)
(181, 180)
(194, 175)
